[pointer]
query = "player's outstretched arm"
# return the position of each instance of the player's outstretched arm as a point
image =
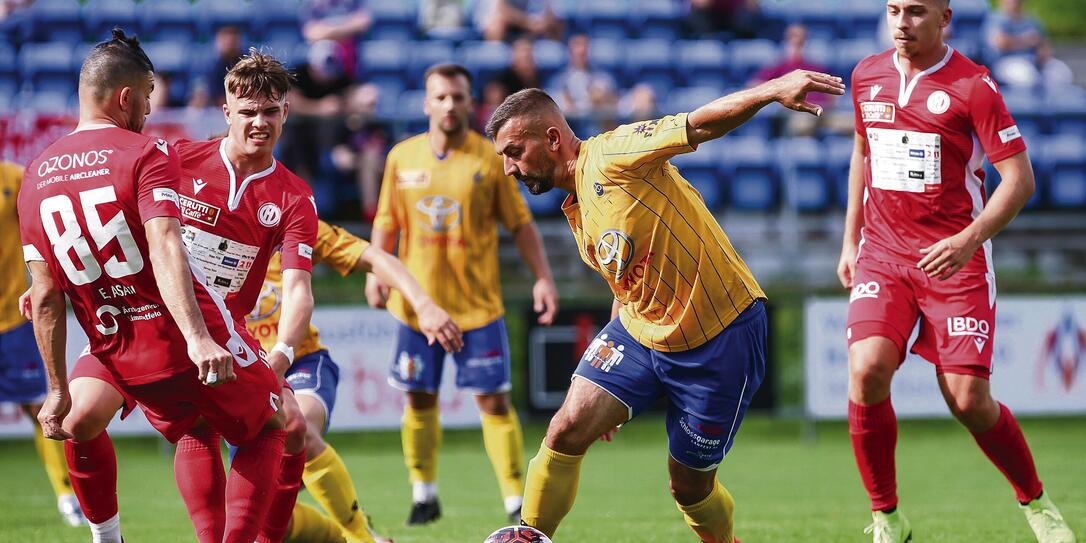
(434, 322)
(170, 264)
(944, 258)
(294, 320)
(727, 113)
(544, 292)
(50, 331)
(854, 214)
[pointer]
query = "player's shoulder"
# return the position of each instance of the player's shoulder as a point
(872, 65)
(197, 150)
(409, 147)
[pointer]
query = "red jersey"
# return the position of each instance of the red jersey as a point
(233, 226)
(926, 138)
(82, 209)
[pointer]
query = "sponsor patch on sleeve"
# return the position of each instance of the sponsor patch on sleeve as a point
(305, 251)
(161, 194)
(1009, 133)
(31, 254)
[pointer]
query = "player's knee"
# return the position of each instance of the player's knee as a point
(85, 425)
(314, 443)
(869, 374)
(421, 400)
(564, 435)
(296, 433)
(688, 490)
(493, 404)
(973, 410)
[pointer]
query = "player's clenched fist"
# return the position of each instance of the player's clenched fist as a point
(52, 413)
(846, 266)
(437, 325)
(216, 364)
(791, 89)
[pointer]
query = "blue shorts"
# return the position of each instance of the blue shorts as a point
(482, 366)
(708, 388)
(316, 375)
(22, 373)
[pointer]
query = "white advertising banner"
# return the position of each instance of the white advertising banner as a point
(1038, 364)
(360, 340)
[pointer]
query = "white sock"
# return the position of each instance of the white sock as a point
(423, 492)
(512, 503)
(108, 531)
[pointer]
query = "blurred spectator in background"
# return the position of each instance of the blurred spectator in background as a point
(362, 145)
(522, 72)
(738, 17)
(316, 105)
(494, 92)
(582, 90)
(1040, 71)
(342, 21)
(160, 95)
(442, 18)
(639, 104)
(207, 89)
(1009, 31)
(792, 58)
(504, 20)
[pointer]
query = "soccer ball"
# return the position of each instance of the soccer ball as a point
(517, 534)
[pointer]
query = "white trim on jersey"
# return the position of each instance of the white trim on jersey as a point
(905, 91)
(31, 254)
(235, 191)
(92, 126)
(240, 350)
(975, 186)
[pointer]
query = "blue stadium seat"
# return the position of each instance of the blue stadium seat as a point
(690, 98)
(802, 165)
(100, 16)
(838, 156)
(605, 54)
(57, 20)
(47, 66)
(218, 14)
(858, 19)
(657, 19)
(701, 62)
(709, 186)
(548, 204)
(392, 20)
(425, 54)
(409, 105)
(388, 99)
(850, 53)
(277, 21)
(550, 58)
(1065, 156)
(748, 166)
(484, 59)
(648, 58)
(1040, 191)
(748, 56)
(168, 58)
(603, 19)
(821, 52)
(1067, 106)
(46, 102)
(381, 58)
(9, 68)
(171, 20)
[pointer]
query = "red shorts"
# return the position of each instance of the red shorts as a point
(238, 409)
(956, 316)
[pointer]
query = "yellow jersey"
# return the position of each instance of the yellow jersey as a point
(446, 211)
(12, 269)
(336, 247)
(647, 231)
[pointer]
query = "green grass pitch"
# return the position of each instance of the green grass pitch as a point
(787, 488)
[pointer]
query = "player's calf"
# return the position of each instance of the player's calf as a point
(689, 486)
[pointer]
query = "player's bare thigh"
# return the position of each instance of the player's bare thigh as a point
(587, 412)
(872, 362)
(94, 403)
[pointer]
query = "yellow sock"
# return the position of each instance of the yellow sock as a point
(505, 446)
(421, 435)
(711, 518)
(51, 452)
(551, 488)
(327, 480)
(307, 525)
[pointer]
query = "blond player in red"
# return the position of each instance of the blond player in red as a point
(99, 220)
(917, 248)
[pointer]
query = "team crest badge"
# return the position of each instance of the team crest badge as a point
(269, 214)
(938, 102)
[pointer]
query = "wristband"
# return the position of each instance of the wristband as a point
(287, 350)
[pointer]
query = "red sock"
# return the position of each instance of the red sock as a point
(92, 468)
(873, 429)
(290, 482)
(254, 475)
(198, 469)
(1006, 447)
